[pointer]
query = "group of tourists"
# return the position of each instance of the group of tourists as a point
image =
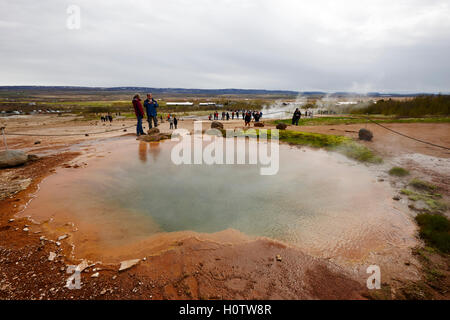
(246, 115)
(173, 121)
(150, 105)
(106, 118)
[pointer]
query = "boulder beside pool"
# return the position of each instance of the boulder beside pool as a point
(281, 126)
(216, 125)
(365, 135)
(12, 158)
(154, 137)
(153, 131)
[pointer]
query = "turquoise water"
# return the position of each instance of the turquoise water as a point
(318, 199)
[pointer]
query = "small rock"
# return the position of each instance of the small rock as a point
(33, 157)
(114, 277)
(11, 220)
(153, 131)
(58, 243)
(103, 292)
(407, 263)
(26, 229)
(278, 257)
(365, 135)
(37, 142)
(281, 126)
(62, 237)
(95, 275)
(124, 265)
(51, 256)
(396, 198)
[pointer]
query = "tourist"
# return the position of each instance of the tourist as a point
(296, 117)
(175, 121)
(237, 114)
(170, 122)
(209, 117)
(228, 116)
(247, 119)
(150, 105)
(139, 111)
(232, 115)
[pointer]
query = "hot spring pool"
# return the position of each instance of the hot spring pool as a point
(319, 201)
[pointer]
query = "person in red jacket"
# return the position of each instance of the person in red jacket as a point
(139, 111)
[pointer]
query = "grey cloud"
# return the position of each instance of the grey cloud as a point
(299, 45)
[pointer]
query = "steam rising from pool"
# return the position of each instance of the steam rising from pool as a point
(318, 201)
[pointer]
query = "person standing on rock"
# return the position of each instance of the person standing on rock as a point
(139, 111)
(150, 105)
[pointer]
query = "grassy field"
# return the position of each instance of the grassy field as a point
(341, 144)
(323, 120)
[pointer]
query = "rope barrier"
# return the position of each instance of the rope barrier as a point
(409, 137)
(64, 134)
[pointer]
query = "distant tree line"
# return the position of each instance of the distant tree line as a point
(416, 107)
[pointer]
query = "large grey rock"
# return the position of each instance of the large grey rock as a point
(12, 158)
(154, 137)
(365, 135)
(281, 126)
(216, 125)
(153, 131)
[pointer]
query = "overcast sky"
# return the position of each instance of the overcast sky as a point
(350, 45)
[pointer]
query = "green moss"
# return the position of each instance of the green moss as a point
(340, 144)
(435, 230)
(436, 205)
(354, 119)
(398, 171)
(430, 199)
(422, 185)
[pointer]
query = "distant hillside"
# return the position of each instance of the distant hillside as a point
(154, 90)
(194, 91)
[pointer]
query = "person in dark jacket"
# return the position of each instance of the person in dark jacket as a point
(175, 121)
(139, 111)
(150, 105)
(296, 117)
(247, 119)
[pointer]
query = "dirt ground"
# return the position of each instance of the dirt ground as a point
(192, 268)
